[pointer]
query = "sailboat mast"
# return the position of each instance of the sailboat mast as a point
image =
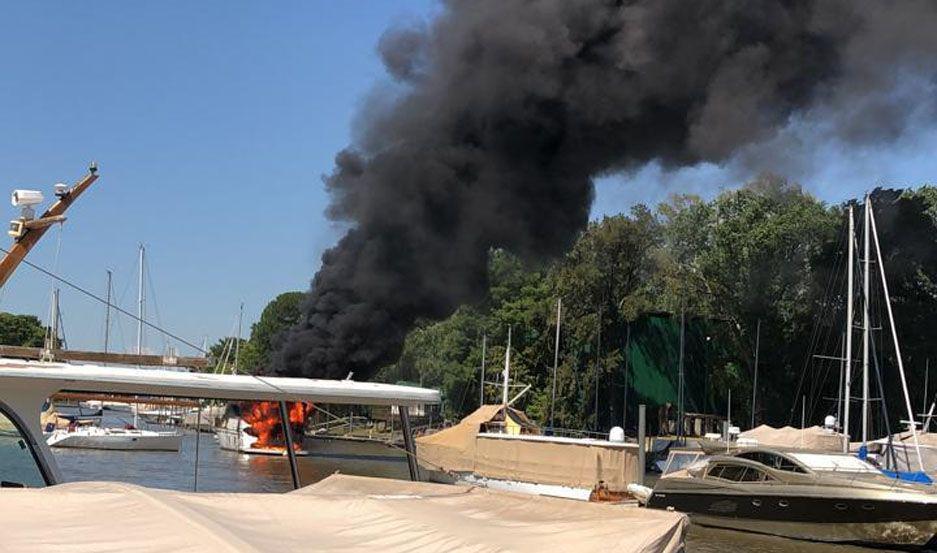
(755, 378)
(481, 381)
(107, 312)
(237, 344)
(850, 296)
(894, 334)
(865, 325)
(140, 301)
(556, 357)
(507, 372)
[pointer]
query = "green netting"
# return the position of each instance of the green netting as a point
(654, 353)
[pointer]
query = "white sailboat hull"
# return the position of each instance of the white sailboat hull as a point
(115, 439)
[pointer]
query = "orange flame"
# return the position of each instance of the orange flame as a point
(264, 420)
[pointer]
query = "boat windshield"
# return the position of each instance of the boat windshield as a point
(679, 460)
(834, 463)
(772, 460)
(18, 465)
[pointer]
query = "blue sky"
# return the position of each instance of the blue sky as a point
(212, 123)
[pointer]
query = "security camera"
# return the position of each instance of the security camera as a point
(60, 189)
(26, 198)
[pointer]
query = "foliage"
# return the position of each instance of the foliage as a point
(766, 252)
(21, 330)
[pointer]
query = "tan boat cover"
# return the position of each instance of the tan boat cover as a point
(813, 438)
(460, 448)
(579, 465)
(453, 448)
(341, 513)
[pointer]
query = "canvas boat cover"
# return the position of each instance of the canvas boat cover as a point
(578, 463)
(340, 513)
(813, 438)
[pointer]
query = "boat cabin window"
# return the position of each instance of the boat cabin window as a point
(18, 465)
(737, 473)
(772, 460)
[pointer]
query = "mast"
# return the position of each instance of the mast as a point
(52, 343)
(556, 356)
(755, 379)
(680, 378)
(481, 382)
(107, 313)
(849, 321)
(140, 301)
(237, 343)
(506, 374)
(865, 325)
(894, 334)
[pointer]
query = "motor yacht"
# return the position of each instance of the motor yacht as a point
(796, 494)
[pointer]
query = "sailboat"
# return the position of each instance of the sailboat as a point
(129, 438)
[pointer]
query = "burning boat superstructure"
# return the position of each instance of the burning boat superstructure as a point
(255, 427)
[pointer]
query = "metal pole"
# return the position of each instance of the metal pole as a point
(755, 379)
(641, 439)
(624, 402)
(556, 358)
(894, 335)
(237, 343)
(107, 313)
(850, 319)
(803, 418)
(598, 364)
(290, 452)
(54, 326)
(507, 373)
(926, 378)
(198, 434)
(408, 443)
(680, 378)
(481, 383)
(865, 328)
(140, 302)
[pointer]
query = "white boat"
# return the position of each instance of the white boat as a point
(96, 437)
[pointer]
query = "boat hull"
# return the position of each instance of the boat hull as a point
(156, 441)
(844, 520)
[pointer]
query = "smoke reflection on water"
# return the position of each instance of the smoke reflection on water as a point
(227, 471)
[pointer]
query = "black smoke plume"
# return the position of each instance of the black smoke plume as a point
(503, 111)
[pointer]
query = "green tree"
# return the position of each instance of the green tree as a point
(278, 316)
(21, 330)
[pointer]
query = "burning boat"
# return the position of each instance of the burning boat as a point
(255, 427)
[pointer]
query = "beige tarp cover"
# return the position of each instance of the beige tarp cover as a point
(537, 460)
(579, 465)
(341, 513)
(813, 438)
(453, 448)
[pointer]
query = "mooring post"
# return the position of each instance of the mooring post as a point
(290, 452)
(642, 431)
(408, 442)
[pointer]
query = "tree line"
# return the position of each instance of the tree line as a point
(767, 258)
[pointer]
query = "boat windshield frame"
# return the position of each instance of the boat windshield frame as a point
(30, 439)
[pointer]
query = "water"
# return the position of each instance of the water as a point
(221, 470)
